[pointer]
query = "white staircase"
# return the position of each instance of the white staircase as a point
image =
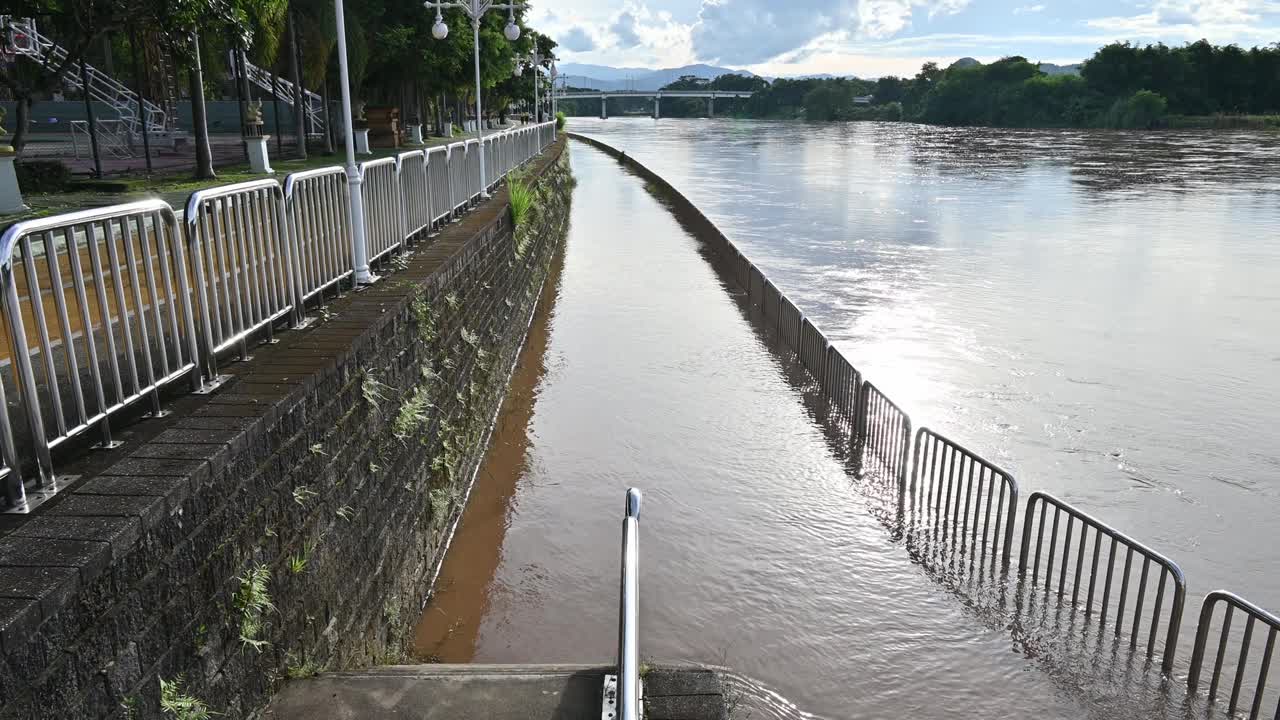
(123, 101)
(283, 89)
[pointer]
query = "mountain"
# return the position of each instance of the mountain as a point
(604, 77)
(1051, 69)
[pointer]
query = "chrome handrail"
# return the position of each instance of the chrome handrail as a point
(628, 612)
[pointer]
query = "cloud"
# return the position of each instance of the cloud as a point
(624, 28)
(576, 40)
(753, 31)
(1028, 9)
(1193, 19)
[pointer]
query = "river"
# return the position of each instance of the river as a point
(1093, 311)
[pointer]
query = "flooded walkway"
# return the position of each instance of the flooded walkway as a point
(756, 552)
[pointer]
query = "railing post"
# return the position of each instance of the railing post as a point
(629, 692)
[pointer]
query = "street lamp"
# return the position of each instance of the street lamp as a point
(475, 9)
(359, 249)
(555, 74)
(536, 59)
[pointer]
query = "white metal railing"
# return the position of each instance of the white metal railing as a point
(383, 209)
(318, 204)
(242, 261)
(438, 183)
(105, 308)
(97, 303)
(457, 160)
(412, 169)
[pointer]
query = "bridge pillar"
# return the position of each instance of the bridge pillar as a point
(711, 106)
(657, 111)
(604, 107)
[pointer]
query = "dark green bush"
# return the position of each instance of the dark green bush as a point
(42, 176)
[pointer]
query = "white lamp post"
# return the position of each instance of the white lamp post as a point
(536, 59)
(475, 9)
(554, 75)
(359, 250)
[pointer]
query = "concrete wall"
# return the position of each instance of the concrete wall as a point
(336, 461)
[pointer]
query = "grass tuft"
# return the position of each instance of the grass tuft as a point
(521, 201)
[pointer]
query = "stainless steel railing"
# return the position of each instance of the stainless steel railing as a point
(243, 265)
(104, 308)
(629, 692)
(1259, 670)
(384, 210)
(1073, 561)
(473, 170)
(99, 302)
(318, 203)
(963, 498)
(459, 193)
(438, 183)
(411, 168)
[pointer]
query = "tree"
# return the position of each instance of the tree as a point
(828, 101)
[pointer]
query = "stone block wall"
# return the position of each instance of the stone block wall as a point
(291, 522)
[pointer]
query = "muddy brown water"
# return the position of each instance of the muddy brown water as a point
(757, 550)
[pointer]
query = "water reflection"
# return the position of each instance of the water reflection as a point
(1094, 311)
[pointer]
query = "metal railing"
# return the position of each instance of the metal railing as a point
(318, 204)
(473, 170)
(961, 497)
(411, 168)
(629, 692)
(384, 212)
(438, 183)
(883, 434)
(1254, 615)
(456, 158)
(104, 308)
(1074, 559)
(812, 351)
(99, 301)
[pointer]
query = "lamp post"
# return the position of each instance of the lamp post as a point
(475, 9)
(359, 249)
(554, 75)
(536, 58)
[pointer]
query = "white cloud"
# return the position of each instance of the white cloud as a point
(1028, 9)
(576, 40)
(1217, 20)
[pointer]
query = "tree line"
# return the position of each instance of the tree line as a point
(179, 48)
(1121, 85)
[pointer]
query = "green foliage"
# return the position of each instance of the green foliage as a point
(560, 120)
(373, 391)
(179, 706)
(828, 101)
(520, 199)
(413, 413)
(253, 602)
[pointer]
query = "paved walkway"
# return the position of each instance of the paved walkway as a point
(493, 692)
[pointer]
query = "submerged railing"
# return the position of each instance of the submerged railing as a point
(966, 506)
(105, 308)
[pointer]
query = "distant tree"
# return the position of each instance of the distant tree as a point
(828, 101)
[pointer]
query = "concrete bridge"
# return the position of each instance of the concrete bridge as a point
(657, 96)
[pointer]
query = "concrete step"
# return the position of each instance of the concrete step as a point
(493, 692)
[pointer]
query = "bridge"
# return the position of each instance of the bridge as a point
(657, 96)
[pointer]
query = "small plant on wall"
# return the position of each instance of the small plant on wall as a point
(521, 201)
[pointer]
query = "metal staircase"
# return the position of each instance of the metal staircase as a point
(283, 89)
(123, 101)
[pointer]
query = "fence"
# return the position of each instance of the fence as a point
(971, 505)
(105, 308)
(1253, 616)
(98, 301)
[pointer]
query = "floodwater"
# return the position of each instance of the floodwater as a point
(1097, 315)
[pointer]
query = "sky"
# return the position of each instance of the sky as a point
(872, 38)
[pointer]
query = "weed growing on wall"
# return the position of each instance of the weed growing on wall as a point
(253, 602)
(175, 704)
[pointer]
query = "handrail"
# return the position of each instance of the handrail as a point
(1254, 614)
(629, 692)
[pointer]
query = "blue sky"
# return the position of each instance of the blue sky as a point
(880, 37)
